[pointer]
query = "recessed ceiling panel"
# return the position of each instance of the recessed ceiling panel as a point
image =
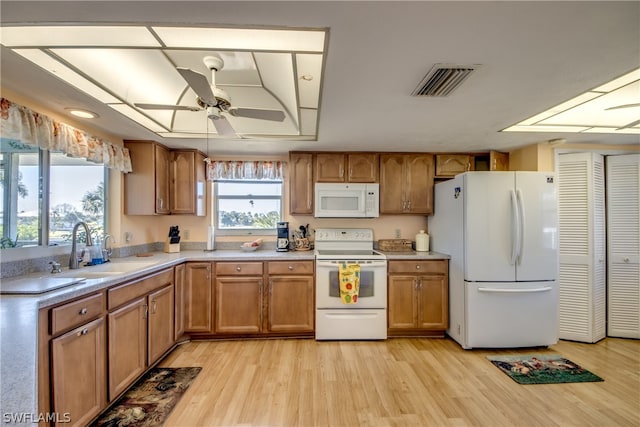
(242, 39)
(65, 73)
(44, 36)
(309, 73)
(276, 72)
(127, 66)
(308, 121)
(133, 114)
(596, 112)
(134, 75)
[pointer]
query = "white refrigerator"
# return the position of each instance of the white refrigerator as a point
(500, 229)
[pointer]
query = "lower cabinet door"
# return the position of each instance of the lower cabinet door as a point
(161, 327)
(402, 309)
(127, 345)
(79, 374)
(238, 305)
(291, 304)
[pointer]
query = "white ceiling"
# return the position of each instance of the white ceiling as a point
(532, 56)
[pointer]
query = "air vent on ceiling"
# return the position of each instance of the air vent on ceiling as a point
(443, 79)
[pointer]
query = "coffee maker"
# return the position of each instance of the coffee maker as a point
(282, 243)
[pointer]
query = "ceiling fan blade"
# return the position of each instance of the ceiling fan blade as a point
(257, 113)
(166, 107)
(223, 127)
(199, 84)
(617, 107)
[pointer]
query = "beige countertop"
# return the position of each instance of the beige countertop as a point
(19, 313)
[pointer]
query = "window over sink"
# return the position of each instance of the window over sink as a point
(43, 194)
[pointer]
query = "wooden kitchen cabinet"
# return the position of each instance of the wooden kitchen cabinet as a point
(450, 165)
(406, 183)
(342, 167)
(418, 297)
(330, 167)
(78, 373)
(161, 323)
(498, 161)
(187, 184)
(198, 298)
(146, 188)
(238, 297)
(141, 327)
(301, 183)
(179, 278)
(127, 345)
(290, 297)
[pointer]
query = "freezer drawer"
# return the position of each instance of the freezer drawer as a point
(507, 315)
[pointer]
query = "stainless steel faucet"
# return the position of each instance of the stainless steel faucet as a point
(108, 250)
(73, 259)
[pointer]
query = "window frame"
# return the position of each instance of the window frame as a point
(44, 179)
(245, 231)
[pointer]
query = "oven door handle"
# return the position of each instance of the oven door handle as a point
(334, 263)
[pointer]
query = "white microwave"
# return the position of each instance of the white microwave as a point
(348, 200)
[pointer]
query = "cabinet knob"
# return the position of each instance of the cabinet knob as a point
(290, 268)
(418, 267)
(625, 259)
(83, 332)
(83, 312)
(238, 268)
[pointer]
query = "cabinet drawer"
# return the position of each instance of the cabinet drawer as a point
(419, 267)
(238, 268)
(129, 291)
(76, 313)
(294, 267)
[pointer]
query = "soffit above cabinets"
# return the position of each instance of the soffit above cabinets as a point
(125, 65)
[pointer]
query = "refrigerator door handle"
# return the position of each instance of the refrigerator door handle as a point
(521, 224)
(515, 229)
(516, 291)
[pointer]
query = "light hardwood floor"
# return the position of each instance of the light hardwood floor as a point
(398, 382)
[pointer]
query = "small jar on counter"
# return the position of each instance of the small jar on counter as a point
(422, 242)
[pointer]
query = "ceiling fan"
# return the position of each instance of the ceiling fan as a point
(215, 101)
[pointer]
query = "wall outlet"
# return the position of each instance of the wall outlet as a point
(397, 231)
(128, 236)
(187, 234)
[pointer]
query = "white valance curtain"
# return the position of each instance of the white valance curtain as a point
(232, 169)
(29, 127)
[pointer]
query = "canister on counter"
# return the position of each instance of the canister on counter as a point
(422, 242)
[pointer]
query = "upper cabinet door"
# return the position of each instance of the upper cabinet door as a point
(449, 165)
(330, 167)
(301, 183)
(188, 183)
(162, 162)
(363, 167)
(392, 200)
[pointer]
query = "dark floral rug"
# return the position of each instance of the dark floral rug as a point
(150, 401)
(550, 369)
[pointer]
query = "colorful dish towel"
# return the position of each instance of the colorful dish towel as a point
(349, 276)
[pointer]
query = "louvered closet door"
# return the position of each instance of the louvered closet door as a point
(581, 279)
(623, 205)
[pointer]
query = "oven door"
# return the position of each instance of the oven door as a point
(373, 284)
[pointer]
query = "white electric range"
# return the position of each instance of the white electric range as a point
(366, 319)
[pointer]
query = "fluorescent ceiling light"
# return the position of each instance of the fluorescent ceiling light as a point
(126, 65)
(593, 111)
(242, 39)
(48, 36)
